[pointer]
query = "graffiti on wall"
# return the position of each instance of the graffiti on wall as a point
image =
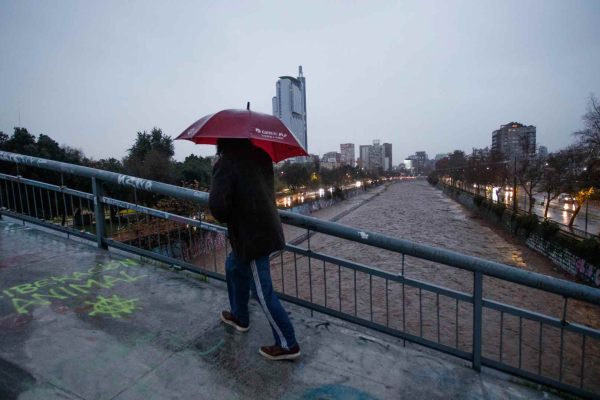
(566, 260)
(26, 297)
(588, 271)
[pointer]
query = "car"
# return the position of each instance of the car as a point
(565, 198)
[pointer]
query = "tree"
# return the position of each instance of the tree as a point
(452, 166)
(3, 140)
(498, 172)
(195, 168)
(456, 165)
(155, 140)
(589, 141)
(574, 178)
(530, 173)
(72, 155)
(475, 170)
(22, 142)
(295, 175)
(108, 164)
(589, 137)
(48, 148)
(150, 157)
(551, 182)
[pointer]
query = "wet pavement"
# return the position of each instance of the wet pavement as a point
(80, 323)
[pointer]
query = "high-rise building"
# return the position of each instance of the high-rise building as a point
(514, 140)
(387, 157)
(422, 159)
(347, 151)
(363, 151)
(418, 162)
(331, 160)
(375, 155)
(289, 105)
(331, 156)
(481, 153)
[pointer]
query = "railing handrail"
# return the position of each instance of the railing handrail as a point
(107, 176)
(443, 256)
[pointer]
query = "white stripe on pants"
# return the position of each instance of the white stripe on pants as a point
(263, 303)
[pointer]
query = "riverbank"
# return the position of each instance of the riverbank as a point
(565, 264)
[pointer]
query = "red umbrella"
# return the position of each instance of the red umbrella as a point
(263, 130)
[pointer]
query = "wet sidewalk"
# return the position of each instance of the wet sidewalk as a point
(80, 323)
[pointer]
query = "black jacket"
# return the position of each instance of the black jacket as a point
(242, 195)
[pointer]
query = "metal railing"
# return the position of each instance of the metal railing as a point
(545, 330)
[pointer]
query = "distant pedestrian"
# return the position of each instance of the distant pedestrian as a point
(242, 195)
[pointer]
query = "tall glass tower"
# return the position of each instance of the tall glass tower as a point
(289, 105)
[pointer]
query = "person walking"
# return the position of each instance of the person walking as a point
(242, 196)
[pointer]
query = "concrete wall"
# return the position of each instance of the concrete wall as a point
(566, 260)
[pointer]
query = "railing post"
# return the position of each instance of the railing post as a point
(477, 319)
(99, 212)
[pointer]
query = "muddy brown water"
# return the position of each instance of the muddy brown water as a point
(418, 212)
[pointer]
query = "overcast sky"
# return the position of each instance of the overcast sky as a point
(433, 76)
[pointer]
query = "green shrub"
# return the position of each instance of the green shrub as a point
(478, 200)
(588, 249)
(526, 222)
(565, 241)
(433, 178)
(498, 209)
(339, 193)
(548, 229)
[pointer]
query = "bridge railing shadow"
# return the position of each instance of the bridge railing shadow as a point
(534, 326)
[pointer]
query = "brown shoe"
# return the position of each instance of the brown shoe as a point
(279, 353)
(230, 320)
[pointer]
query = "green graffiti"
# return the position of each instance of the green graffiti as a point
(27, 296)
(28, 288)
(115, 306)
(219, 344)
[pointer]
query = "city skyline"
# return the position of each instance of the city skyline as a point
(91, 75)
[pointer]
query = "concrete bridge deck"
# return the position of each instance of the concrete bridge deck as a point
(81, 323)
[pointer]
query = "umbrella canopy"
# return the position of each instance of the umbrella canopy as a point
(263, 130)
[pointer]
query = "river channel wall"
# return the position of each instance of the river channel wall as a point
(310, 206)
(561, 257)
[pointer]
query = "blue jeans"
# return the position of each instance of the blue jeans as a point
(256, 276)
